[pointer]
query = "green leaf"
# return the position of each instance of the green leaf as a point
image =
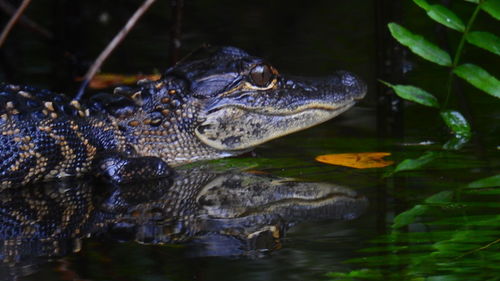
(446, 17)
(456, 142)
(426, 237)
(485, 40)
(482, 205)
(419, 45)
(492, 7)
(414, 94)
(473, 1)
(440, 198)
(395, 248)
(454, 249)
(442, 15)
(493, 181)
(457, 123)
(473, 236)
(361, 273)
(479, 78)
(409, 216)
(492, 221)
(414, 164)
(485, 191)
(422, 4)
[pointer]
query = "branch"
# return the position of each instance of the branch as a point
(25, 21)
(112, 45)
(13, 21)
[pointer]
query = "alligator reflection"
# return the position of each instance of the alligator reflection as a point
(230, 213)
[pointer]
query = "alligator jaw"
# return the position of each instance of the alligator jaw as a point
(247, 129)
(228, 103)
(246, 118)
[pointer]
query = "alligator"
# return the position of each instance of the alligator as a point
(210, 213)
(221, 105)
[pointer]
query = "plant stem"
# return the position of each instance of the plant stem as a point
(112, 45)
(13, 21)
(459, 50)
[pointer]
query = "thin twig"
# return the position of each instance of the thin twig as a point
(200, 48)
(458, 52)
(479, 249)
(112, 45)
(25, 21)
(13, 21)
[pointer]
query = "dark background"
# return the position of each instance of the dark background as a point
(309, 38)
(301, 37)
(298, 37)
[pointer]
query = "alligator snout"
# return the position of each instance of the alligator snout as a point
(353, 85)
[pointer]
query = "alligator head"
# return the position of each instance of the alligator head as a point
(213, 213)
(227, 103)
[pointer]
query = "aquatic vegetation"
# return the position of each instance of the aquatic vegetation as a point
(453, 234)
(448, 236)
(473, 74)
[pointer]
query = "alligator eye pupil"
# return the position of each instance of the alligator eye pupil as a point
(261, 75)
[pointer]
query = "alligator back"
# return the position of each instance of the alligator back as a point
(44, 135)
(200, 109)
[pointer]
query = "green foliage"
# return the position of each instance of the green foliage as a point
(453, 234)
(457, 244)
(414, 94)
(419, 45)
(409, 216)
(473, 74)
(493, 181)
(363, 273)
(492, 7)
(414, 164)
(456, 143)
(485, 40)
(456, 122)
(479, 78)
(442, 15)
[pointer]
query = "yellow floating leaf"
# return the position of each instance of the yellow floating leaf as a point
(107, 80)
(363, 160)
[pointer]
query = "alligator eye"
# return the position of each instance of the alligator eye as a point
(261, 75)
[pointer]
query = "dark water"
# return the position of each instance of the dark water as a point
(306, 38)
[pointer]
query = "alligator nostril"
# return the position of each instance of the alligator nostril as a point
(349, 79)
(356, 86)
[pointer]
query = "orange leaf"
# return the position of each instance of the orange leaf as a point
(363, 160)
(107, 80)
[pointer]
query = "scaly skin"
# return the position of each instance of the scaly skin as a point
(218, 106)
(197, 206)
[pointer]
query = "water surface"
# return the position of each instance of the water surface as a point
(306, 38)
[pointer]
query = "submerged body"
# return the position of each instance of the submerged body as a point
(216, 213)
(219, 106)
